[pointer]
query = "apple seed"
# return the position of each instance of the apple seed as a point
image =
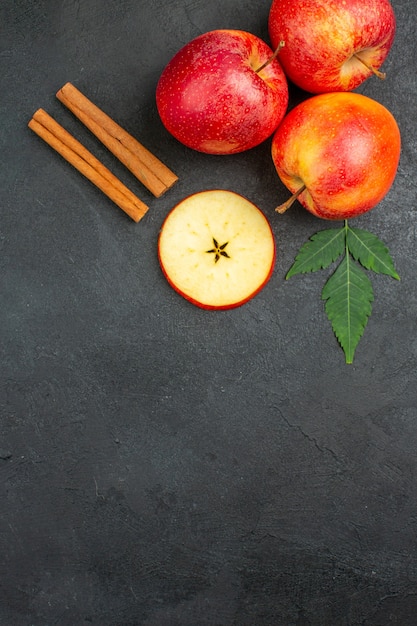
(218, 251)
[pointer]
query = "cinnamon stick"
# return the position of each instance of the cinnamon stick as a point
(154, 174)
(77, 155)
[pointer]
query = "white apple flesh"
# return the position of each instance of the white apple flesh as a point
(216, 249)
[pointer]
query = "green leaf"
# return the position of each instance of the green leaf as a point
(349, 295)
(370, 252)
(319, 251)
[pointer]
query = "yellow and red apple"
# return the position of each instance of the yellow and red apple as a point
(214, 97)
(332, 45)
(216, 249)
(338, 153)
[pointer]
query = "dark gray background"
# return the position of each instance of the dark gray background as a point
(166, 466)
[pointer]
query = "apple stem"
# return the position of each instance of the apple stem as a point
(271, 58)
(286, 205)
(372, 69)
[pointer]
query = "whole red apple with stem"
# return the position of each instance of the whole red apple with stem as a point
(338, 153)
(223, 92)
(332, 45)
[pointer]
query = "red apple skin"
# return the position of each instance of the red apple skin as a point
(211, 99)
(322, 37)
(345, 147)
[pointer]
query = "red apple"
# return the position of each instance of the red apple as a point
(332, 45)
(214, 97)
(338, 153)
(216, 249)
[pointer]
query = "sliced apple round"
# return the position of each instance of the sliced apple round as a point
(216, 249)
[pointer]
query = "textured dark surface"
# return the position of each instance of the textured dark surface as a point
(165, 466)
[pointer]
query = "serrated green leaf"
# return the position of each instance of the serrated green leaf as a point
(349, 294)
(319, 251)
(370, 251)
